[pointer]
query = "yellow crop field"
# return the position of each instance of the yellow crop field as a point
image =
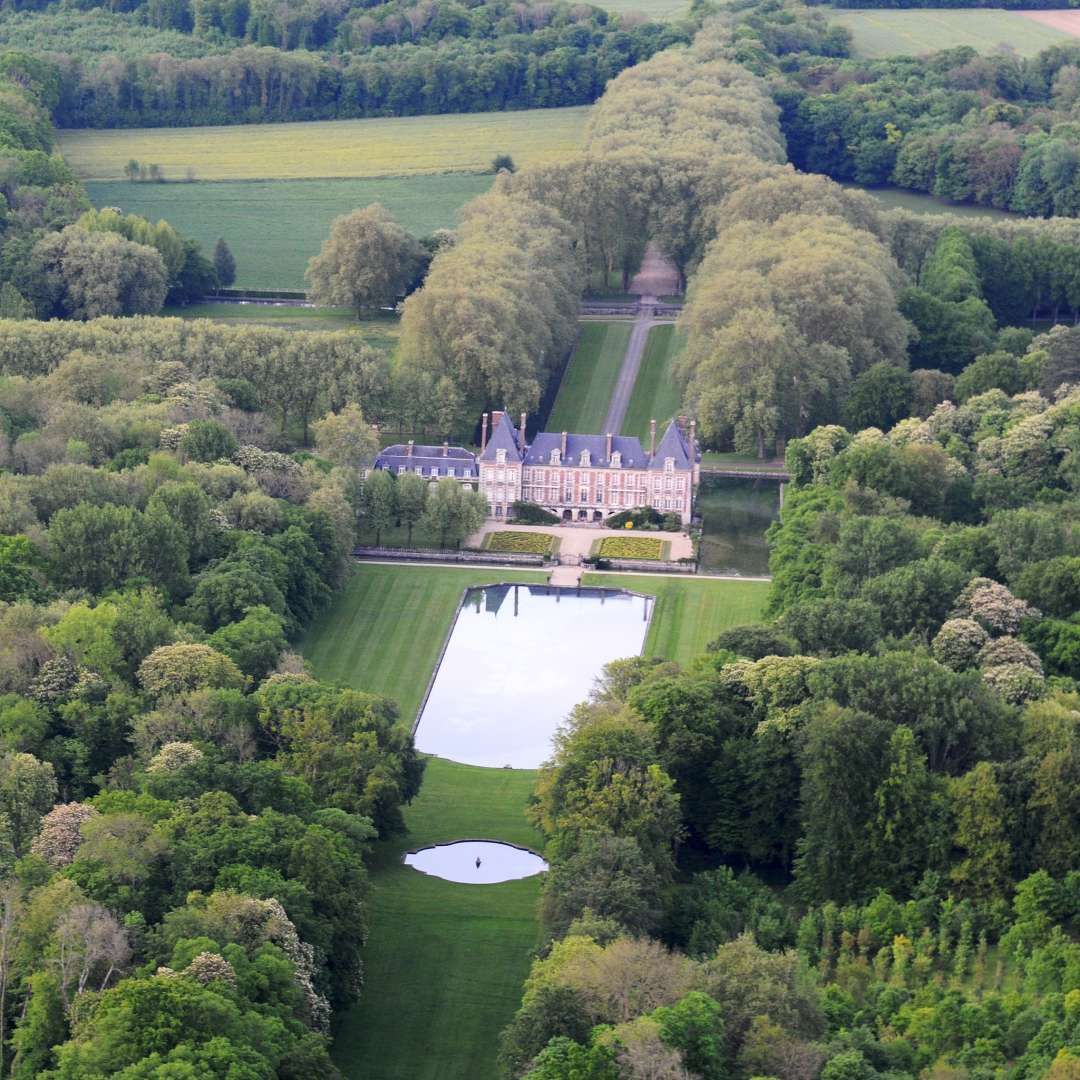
(394, 146)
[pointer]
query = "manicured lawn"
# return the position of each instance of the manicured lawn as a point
(589, 379)
(273, 227)
(724, 460)
(914, 31)
(317, 149)
(920, 203)
(690, 612)
(656, 396)
(526, 542)
(445, 962)
(384, 631)
(630, 547)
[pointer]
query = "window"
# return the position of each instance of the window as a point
(500, 457)
(669, 464)
(555, 457)
(586, 458)
(401, 469)
(450, 470)
(616, 460)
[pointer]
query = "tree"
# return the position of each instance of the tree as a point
(379, 501)
(255, 643)
(224, 263)
(503, 161)
(981, 834)
(84, 274)
(12, 303)
(412, 494)
(173, 669)
(880, 397)
(368, 261)
(346, 438)
(22, 569)
(27, 791)
(131, 170)
(207, 440)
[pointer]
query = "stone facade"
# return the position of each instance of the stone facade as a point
(587, 477)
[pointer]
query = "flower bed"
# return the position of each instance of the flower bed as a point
(520, 542)
(631, 547)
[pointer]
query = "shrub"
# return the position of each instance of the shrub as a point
(530, 513)
(753, 642)
(641, 517)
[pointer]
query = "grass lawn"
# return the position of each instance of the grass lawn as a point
(723, 460)
(318, 149)
(273, 227)
(655, 396)
(587, 384)
(632, 547)
(913, 31)
(527, 542)
(386, 628)
(445, 962)
(654, 9)
(690, 612)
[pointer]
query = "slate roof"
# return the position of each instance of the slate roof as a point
(503, 437)
(633, 456)
(462, 461)
(673, 445)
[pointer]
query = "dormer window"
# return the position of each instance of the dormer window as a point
(616, 459)
(500, 457)
(555, 457)
(585, 458)
(669, 464)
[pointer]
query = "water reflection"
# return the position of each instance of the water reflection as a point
(518, 659)
(736, 514)
(476, 862)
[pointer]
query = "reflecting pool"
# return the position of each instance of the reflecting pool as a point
(476, 862)
(518, 659)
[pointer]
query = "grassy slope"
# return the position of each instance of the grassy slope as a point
(589, 379)
(921, 30)
(394, 146)
(690, 612)
(655, 396)
(920, 203)
(273, 227)
(654, 9)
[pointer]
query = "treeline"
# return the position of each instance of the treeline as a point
(896, 752)
(991, 130)
(184, 811)
(260, 84)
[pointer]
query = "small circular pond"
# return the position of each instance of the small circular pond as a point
(476, 862)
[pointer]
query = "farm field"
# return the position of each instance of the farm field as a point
(655, 396)
(384, 632)
(690, 612)
(320, 149)
(445, 962)
(654, 9)
(273, 227)
(893, 198)
(589, 380)
(914, 31)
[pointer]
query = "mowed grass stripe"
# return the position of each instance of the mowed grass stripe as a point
(274, 227)
(444, 962)
(690, 612)
(391, 146)
(589, 380)
(384, 632)
(656, 395)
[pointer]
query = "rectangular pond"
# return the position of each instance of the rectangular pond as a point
(519, 657)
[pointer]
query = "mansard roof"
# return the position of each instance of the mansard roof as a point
(503, 437)
(462, 461)
(673, 445)
(633, 456)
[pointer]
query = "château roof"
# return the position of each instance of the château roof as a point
(633, 456)
(503, 437)
(673, 445)
(427, 458)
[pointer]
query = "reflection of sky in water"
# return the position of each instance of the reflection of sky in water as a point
(519, 658)
(457, 862)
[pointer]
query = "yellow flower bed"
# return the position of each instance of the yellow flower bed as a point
(521, 542)
(631, 547)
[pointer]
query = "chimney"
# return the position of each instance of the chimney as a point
(483, 433)
(409, 448)
(446, 449)
(652, 438)
(521, 434)
(693, 436)
(496, 416)
(609, 446)
(564, 445)
(682, 424)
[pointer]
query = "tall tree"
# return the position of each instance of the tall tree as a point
(224, 263)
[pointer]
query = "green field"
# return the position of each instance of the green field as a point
(655, 396)
(444, 963)
(386, 628)
(918, 202)
(914, 31)
(275, 226)
(690, 612)
(318, 149)
(589, 379)
(653, 9)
